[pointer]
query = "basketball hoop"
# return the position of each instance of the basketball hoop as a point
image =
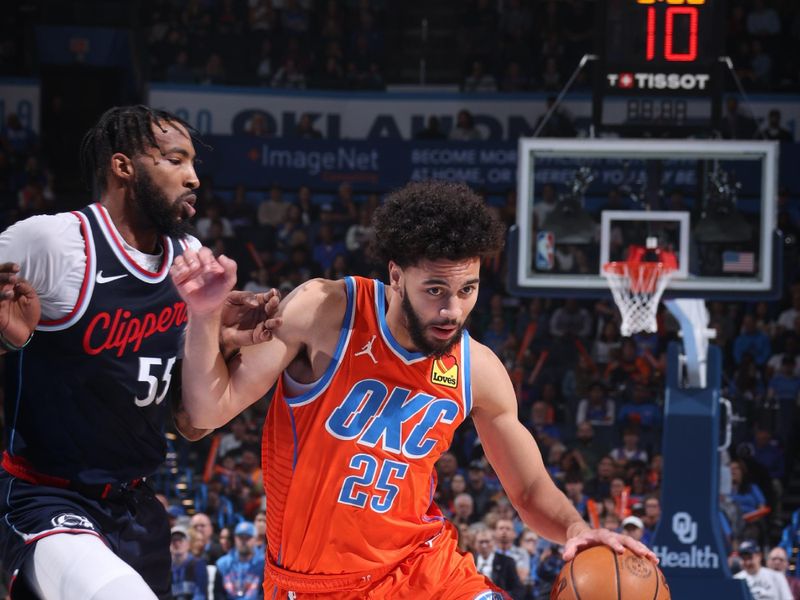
(637, 286)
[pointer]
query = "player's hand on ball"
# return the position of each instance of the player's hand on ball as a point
(203, 280)
(597, 537)
(249, 318)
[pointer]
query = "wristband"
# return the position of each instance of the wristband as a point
(11, 347)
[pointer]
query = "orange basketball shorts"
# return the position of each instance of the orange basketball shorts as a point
(436, 569)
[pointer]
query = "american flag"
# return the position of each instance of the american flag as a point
(738, 262)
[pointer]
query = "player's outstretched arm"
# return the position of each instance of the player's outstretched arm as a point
(515, 457)
(19, 309)
(216, 390)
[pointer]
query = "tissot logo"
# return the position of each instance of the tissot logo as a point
(658, 81)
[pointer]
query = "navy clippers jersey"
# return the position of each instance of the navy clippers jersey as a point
(88, 398)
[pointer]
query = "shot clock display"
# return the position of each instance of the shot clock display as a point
(658, 63)
(660, 33)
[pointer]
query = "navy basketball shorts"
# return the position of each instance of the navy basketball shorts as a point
(132, 523)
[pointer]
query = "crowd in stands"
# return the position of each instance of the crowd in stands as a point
(505, 45)
(292, 44)
(592, 399)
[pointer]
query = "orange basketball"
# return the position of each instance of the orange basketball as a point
(599, 573)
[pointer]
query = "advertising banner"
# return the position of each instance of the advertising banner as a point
(394, 115)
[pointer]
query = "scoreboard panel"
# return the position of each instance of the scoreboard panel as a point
(660, 60)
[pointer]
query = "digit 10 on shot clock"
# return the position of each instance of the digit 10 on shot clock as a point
(663, 48)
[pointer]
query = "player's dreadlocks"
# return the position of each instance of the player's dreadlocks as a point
(125, 129)
(434, 220)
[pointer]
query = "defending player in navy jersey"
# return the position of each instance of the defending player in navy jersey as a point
(91, 326)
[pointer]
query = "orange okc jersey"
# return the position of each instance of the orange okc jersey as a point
(349, 460)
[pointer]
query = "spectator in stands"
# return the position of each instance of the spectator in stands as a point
(240, 573)
(628, 369)
(259, 126)
(641, 411)
(214, 72)
(630, 449)
(289, 76)
(763, 583)
(752, 341)
(479, 80)
(241, 213)
(464, 510)
(201, 525)
(571, 321)
(294, 18)
(189, 575)
(500, 569)
(651, 517)
(746, 494)
(18, 141)
(432, 131)
(234, 438)
(788, 317)
(558, 124)
(550, 565)
(763, 21)
(634, 527)
(504, 536)
(273, 210)
(465, 129)
(212, 216)
(332, 76)
(226, 539)
(180, 71)
(514, 80)
(446, 469)
(606, 344)
(305, 129)
(477, 487)
(736, 125)
(784, 390)
(573, 488)
(586, 444)
(310, 212)
(551, 75)
(327, 247)
(768, 453)
(596, 409)
(760, 66)
(599, 487)
(260, 523)
(360, 233)
(265, 63)
(777, 560)
(774, 130)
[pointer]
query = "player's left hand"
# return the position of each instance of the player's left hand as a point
(203, 281)
(617, 541)
(249, 318)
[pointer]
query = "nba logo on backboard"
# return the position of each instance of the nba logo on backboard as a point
(545, 250)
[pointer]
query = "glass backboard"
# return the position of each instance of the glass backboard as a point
(584, 202)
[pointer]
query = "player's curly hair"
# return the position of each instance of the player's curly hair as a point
(125, 129)
(433, 220)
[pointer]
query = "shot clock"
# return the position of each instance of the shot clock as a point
(658, 68)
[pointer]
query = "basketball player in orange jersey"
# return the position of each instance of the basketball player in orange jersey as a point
(372, 381)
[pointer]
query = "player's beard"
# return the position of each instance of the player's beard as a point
(165, 215)
(416, 329)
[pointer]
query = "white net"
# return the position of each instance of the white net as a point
(637, 289)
